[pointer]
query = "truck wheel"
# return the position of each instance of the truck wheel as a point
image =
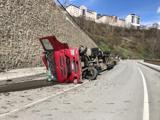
(109, 67)
(91, 73)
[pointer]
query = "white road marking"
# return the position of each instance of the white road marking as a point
(40, 100)
(146, 103)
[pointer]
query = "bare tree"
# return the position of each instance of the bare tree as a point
(66, 2)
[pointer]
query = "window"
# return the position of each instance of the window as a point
(132, 19)
(83, 12)
(138, 20)
(47, 44)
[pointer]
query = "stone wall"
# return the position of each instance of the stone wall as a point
(22, 22)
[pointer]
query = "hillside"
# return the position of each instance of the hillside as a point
(125, 42)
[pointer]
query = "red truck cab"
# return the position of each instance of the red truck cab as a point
(61, 61)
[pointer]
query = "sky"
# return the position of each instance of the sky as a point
(148, 10)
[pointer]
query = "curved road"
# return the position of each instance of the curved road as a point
(118, 94)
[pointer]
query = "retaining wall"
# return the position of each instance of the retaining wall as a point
(22, 22)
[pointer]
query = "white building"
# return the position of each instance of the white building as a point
(132, 20)
(106, 19)
(82, 11)
(151, 26)
(111, 20)
(121, 23)
(156, 26)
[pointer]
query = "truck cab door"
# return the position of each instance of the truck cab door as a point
(48, 59)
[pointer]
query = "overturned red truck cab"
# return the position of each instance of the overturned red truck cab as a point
(62, 62)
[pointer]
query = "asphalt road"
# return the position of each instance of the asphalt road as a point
(130, 91)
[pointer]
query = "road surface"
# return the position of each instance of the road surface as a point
(130, 91)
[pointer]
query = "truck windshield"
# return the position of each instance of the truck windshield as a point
(47, 45)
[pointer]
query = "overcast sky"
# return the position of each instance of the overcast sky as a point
(148, 10)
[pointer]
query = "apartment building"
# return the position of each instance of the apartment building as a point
(111, 20)
(121, 23)
(150, 26)
(106, 19)
(156, 26)
(132, 20)
(82, 11)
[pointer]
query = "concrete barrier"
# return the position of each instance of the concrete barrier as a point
(24, 83)
(23, 72)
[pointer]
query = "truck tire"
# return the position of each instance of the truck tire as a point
(91, 73)
(110, 66)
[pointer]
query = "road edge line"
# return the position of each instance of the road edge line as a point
(146, 101)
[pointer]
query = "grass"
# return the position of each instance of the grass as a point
(128, 43)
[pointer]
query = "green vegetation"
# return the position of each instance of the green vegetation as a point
(129, 43)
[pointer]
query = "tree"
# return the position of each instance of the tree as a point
(66, 2)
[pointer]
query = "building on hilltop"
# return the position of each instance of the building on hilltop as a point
(121, 23)
(132, 20)
(82, 11)
(156, 26)
(151, 26)
(106, 19)
(111, 20)
(144, 27)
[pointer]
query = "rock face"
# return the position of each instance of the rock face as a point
(22, 22)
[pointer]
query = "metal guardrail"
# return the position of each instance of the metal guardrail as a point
(150, 66)
(153, 61)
